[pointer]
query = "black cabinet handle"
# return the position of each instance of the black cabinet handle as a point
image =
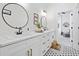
(71, 14)
(71, 40)
(78, 12)
(78, 43)
(71, 27)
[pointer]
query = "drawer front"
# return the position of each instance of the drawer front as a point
(33, 40)
(45, 44)
(44, 49)
(51, 36)
(13, 49)
(44, 38)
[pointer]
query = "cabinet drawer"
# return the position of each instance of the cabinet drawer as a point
(45, 35)
(44, 50)
(45, 44)
(51, 36)
(14, 48)
(44, 38)
(33, 40)
(46, 41)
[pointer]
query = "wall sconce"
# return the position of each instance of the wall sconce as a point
(43, 13)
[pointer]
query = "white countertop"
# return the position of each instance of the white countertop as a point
(8, 39)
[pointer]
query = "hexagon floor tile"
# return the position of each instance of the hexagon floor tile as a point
(64, 51)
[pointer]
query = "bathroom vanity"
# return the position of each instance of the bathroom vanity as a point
(17, 40)
(34, 44)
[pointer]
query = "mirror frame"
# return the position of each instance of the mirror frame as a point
(7, 22)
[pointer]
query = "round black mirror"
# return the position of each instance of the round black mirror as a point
(15, 16)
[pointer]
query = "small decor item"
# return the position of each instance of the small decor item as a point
(36, 18)
(38, 27)
(37, 23)
(55, 45)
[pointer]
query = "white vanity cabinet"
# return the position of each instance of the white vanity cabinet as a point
(34, 46)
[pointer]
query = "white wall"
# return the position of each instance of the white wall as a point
(51, 8)
(55, 9)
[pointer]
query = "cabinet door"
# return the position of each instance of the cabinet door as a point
(34, 48)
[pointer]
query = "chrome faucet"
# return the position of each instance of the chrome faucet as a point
(20, 31)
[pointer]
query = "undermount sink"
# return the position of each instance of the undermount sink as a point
(21, 35)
